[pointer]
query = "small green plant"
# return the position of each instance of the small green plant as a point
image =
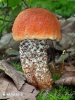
(56, 76)
(1, 71)
(17, 65)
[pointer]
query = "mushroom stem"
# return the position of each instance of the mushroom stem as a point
(33, 55)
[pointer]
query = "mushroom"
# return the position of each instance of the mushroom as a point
(33, 27)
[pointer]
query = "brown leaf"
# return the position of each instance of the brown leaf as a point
(70, 68)
(8, 90)
(67, 78)
(70, 27)
(11, 71)
(68, 34)
(7, 41)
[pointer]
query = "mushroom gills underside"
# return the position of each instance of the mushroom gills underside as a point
(33, 56)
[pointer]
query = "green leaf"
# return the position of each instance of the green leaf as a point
(12, 3)
(1, 1)
(16, 11)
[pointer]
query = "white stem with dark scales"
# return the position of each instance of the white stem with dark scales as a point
(33, 55)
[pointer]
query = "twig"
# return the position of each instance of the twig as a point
(25, 3)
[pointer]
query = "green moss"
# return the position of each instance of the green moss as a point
(58, 93)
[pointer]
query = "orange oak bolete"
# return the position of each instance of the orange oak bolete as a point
(33, 27)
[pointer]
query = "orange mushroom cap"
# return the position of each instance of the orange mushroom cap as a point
(36, 23)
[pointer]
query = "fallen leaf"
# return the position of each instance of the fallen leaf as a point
(7, 41)
(9, 91)
(8, 45)
(11, 71)
(67, 78)
(70, 68)
(68, 34)
(12, 52)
